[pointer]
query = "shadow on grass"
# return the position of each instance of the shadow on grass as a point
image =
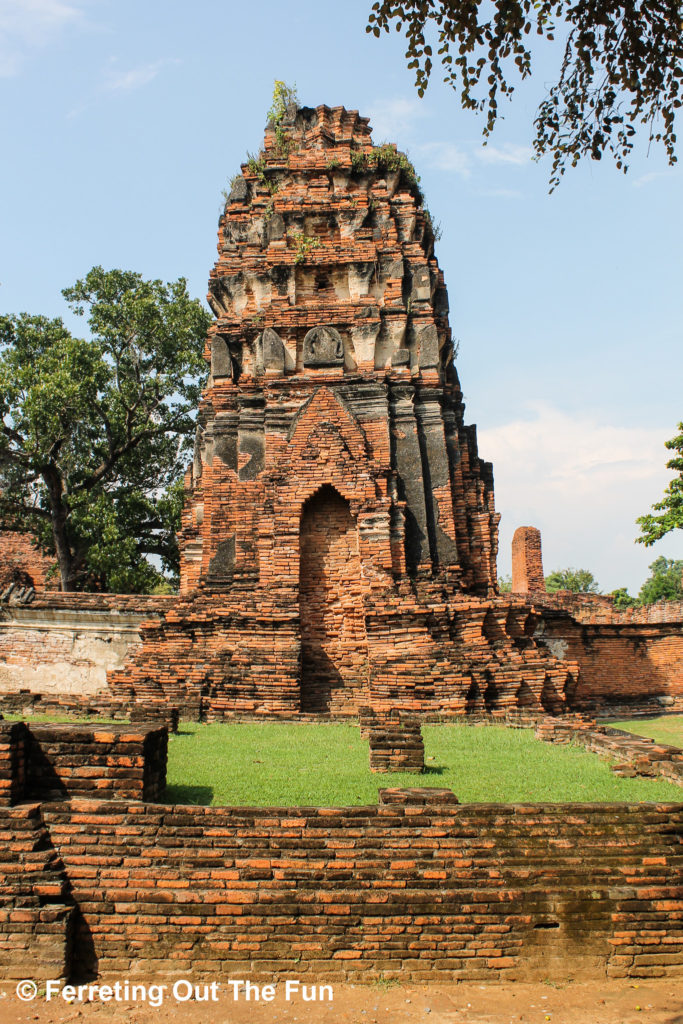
(435, 769)
(189, 795)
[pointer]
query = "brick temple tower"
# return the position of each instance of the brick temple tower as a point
(332, 376)
(339, 537)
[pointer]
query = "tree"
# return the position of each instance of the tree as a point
(665, 582)
(505, 584)
(622, 599)
(94, 433)
(653, 528)
(621, 66)
(580, 581)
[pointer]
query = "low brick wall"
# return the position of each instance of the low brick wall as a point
(65, 644)
(630, 754)
(36, 914)
(416, 891)
(46, 762)
(623, 656)
(13, 737)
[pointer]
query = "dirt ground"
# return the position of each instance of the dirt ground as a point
(653, 1001)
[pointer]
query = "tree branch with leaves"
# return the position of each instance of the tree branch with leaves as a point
(670, 508)
(621, 66)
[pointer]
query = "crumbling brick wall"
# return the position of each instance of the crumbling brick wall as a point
(414, 891)
(23, 562)
(65, 643)
(622, 656)
(629, 754)
(47, 762)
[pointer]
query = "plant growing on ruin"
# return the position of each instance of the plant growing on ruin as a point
(304, 244)
(434, 226)
(95, 433)
(257, 166)
(386, 159)
(284, 96)
(225, 192)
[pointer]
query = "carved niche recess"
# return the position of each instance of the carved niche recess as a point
(323, 346)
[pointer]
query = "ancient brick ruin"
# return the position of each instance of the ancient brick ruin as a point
(339, 537)
(333, 394)
(527, 561)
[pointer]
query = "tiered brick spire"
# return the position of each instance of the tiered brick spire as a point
(326, 281)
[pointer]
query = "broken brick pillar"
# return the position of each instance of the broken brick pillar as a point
(527, 561)
(396, 743)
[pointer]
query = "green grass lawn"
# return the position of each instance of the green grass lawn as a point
(289, 764)
(668, 729)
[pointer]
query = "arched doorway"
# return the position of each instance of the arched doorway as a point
(334, 655)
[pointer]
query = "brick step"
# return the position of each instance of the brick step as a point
(183, 836)
(294, 840)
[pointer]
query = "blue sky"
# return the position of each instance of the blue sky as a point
(122, 121)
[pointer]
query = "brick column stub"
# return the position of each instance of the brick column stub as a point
(527, 561)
